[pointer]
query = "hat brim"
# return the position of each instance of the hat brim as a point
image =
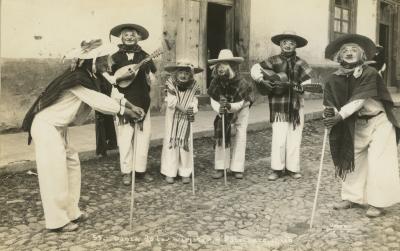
(173, 68)
(143, 32)
(364, 42)
(100, 51)
(300, 41)
(236, 60)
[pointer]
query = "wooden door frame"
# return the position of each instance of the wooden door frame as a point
(230, 4)
(391, 76)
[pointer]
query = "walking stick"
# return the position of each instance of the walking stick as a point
(133, 173)
(319, 177)
(223, 145)
(191, 145)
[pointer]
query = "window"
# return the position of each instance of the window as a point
(343, 16)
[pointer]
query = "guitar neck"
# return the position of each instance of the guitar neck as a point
(144, 60)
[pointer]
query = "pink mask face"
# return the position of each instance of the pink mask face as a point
(288, 45)
(222, 69)
(183, 75)
(350, 53)
(130, 37)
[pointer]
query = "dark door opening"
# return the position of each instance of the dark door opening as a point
(219, 28)
(384, 42)
(386, 32)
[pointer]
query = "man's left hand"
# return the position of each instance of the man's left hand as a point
(329, 122)
(138, 110)
(298, 88)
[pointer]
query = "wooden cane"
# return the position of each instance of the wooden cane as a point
(133, 174)
(319, 177)
(191, 145)
(223, 145)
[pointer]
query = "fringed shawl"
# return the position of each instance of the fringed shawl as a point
(234, 90)
(179, 135)
(285, 108)
(342, 89)
(65, 81)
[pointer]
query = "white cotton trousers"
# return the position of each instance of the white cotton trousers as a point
(59, 173)
(375, 180)
(236, 163)
(176, 161)
(286, 141)
(125, 139)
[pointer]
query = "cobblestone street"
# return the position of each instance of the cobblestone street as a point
(248, 214)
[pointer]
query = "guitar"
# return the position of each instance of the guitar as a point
(125, 75)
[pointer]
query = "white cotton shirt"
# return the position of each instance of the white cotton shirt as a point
(256, 73)
(75, 104)
(365, 107)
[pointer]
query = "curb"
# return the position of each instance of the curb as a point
(26, 165)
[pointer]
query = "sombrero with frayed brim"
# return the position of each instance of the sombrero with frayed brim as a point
(91, 49)
(300, 41)
(183, 65)
(364, 42)
(116, 31)
(226, 55)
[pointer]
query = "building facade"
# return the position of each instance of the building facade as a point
(198, 29)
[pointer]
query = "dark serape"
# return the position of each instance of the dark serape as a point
(66, 80)
(285, 108)
(106, 138)
(234, 90)
(342, 89)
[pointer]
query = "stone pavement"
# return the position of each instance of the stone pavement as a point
(249, 214)
(15, 153)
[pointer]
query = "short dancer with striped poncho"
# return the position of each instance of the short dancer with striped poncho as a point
(181, 101)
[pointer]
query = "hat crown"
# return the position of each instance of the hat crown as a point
(225, 54)
(289, 32)
(184, 63)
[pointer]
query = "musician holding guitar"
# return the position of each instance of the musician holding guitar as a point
(284, 78)
(130, 67)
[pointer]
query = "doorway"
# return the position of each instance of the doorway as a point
(219, 31)
(385, 39)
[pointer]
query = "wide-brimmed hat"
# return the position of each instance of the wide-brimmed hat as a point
(226, 55)
(300, 41)
(183, 64)
(93, 48)
(116, 31)
(364, 42)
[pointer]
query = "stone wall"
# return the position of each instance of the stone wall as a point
(22, 80)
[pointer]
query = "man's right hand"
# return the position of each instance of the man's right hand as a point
(267, 84)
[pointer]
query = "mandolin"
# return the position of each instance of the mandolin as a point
(125, 75)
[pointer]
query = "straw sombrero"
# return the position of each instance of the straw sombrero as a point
(116, 31)
(364, 42)
(300, 41)
(226, 55)
(91, 49)
(183, 64)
